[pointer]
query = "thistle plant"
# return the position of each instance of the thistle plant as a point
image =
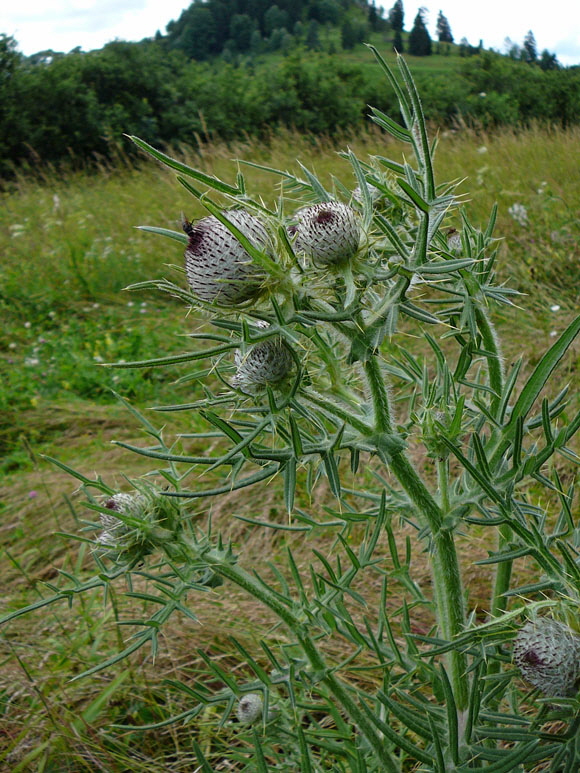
(349, 340)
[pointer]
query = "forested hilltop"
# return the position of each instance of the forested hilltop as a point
(231, 68)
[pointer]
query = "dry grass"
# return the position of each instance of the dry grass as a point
(43, 721)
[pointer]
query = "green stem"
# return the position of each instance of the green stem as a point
(448, 587)
(288, 616)
(443, 478)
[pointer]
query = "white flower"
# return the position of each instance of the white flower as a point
(519, 213)
(547, 653)
(328, 233)
(555, 307)
(219, 270)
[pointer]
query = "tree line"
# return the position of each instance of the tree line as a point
(78, 105)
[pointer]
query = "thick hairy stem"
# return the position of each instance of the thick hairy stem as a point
(258, 591)
(448, 587)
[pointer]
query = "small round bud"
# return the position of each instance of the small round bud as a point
(374, 193)
(329, 233)
(547, 652)
(453, 241)
(266, 364)
(249, 708)
(137, 523)
(114, 529)
(219, 270)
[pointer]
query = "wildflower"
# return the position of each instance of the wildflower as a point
(249, 708)
(555, 307)
(31, 362)
(32, 494)
(28, 325)
(328, 233)
(519, 214)
(266, 363)
(547, 653)
(218, 267)
(482, 149)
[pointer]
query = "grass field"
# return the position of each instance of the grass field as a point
(69, 248)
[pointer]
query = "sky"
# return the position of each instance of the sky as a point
(62, 25)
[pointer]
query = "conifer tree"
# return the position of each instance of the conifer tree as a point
(443, 29)
(529, 49)
(398, 42)
(397, 16)
(419, 38)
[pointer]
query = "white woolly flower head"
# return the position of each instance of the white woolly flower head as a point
(250, 708)
(135, 524)
(114, 529)
(374, 193)
(329, 233)
(265, 364)
(547, 652)
(219, 269)
(454, 241)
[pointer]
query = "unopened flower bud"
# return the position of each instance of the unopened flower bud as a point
(329, 233)
(137, 523)
(250, 708)
(547, 652)
(453, 241)
(266, 363)
(374, 193)
(114, 529)
(219, 269)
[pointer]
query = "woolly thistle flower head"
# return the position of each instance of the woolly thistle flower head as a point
(266, 364)
(249, 708)
(453, 241)
(374, 193)
(547, 652)
(115, 530)
(135, 524)
(329, 233)
(219, 270)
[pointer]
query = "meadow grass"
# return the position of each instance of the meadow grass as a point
(69, 248)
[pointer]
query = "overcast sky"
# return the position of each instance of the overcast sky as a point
(61, 25)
